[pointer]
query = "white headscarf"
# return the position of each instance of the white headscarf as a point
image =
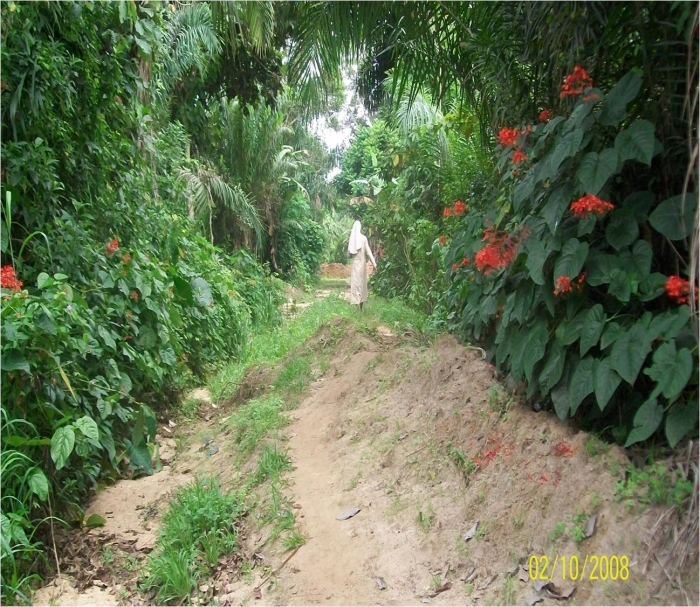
(355, 243)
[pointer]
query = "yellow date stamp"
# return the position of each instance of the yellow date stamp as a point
(592, 568)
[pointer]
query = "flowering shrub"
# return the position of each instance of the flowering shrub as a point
(8, 280)
(574, 290)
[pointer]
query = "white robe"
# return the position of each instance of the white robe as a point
(358, 272)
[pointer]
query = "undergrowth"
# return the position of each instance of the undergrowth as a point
(199, 527)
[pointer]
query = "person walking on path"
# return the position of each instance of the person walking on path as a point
(358, 247)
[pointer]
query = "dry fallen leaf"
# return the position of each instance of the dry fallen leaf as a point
(347, 514)
(471, 533)
(590, 526)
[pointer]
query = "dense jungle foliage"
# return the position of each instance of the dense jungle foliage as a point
(527, 174)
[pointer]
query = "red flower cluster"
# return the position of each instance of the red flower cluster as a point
(8, 280)
(564, 284)
(465, 261)
(447, 212)
(519, 156)
(459, 208)
(454, 267)
(590, 204)
(111, 247)
(563, 449)
(677, 289)
(546, 115)
(442, 240)
(575, 83)
(498, 253)
(508, 136)
(135, 295)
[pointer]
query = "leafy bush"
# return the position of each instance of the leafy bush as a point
(574, 295)
(300, 241)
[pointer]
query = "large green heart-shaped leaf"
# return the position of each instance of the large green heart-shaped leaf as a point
(581, 384)
(671, 369)
(537, 253)
(556, 206)
(535, 349)
(201, 292)
(553, 367)
(88, 427)
(595, 169)
(571, 259)
(14, 361)
(674, 217)
(629, 352)
(681, 419)
(622, 229)
(605, 382)
(62, 443)
(568, 146)
(636, 142)
(592, 328)
(39, 484)
(615, 102)
(646, 421)
(620, 286)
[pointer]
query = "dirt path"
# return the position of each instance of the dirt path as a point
(424, 441)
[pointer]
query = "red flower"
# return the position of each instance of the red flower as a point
(126, 258)
(460, 208)
(465, 261)
(442, 240)
(500, 251)
(519, 156)
(581, 278)
(590, 204)
(575, 83)
(447, 212)
(678, 289)
(563, 449)
(563, 285)
(8, 280)
(508, 136)
(111, 247)
(135, 295)
(454, 267)
(546, 115)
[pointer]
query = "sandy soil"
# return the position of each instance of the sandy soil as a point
(380, 431)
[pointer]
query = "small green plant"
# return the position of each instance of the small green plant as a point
(466, 465)
(653, 485)
(578, 527)
(557, 532)
(436, 582)
(293, 540)
(425, 519)
(271, 465)
(596, 447)
(518, 522)
(469, 588)
(509, 594)
(198, 528)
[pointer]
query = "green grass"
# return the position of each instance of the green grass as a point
(271, 465)
(199, 527)
(256, 419)
(557, 532)
(270, 345)
(295, 375)
(578, 527)
(654, 485)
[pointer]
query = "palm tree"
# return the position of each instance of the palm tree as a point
(209, 195)
(255, 155)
